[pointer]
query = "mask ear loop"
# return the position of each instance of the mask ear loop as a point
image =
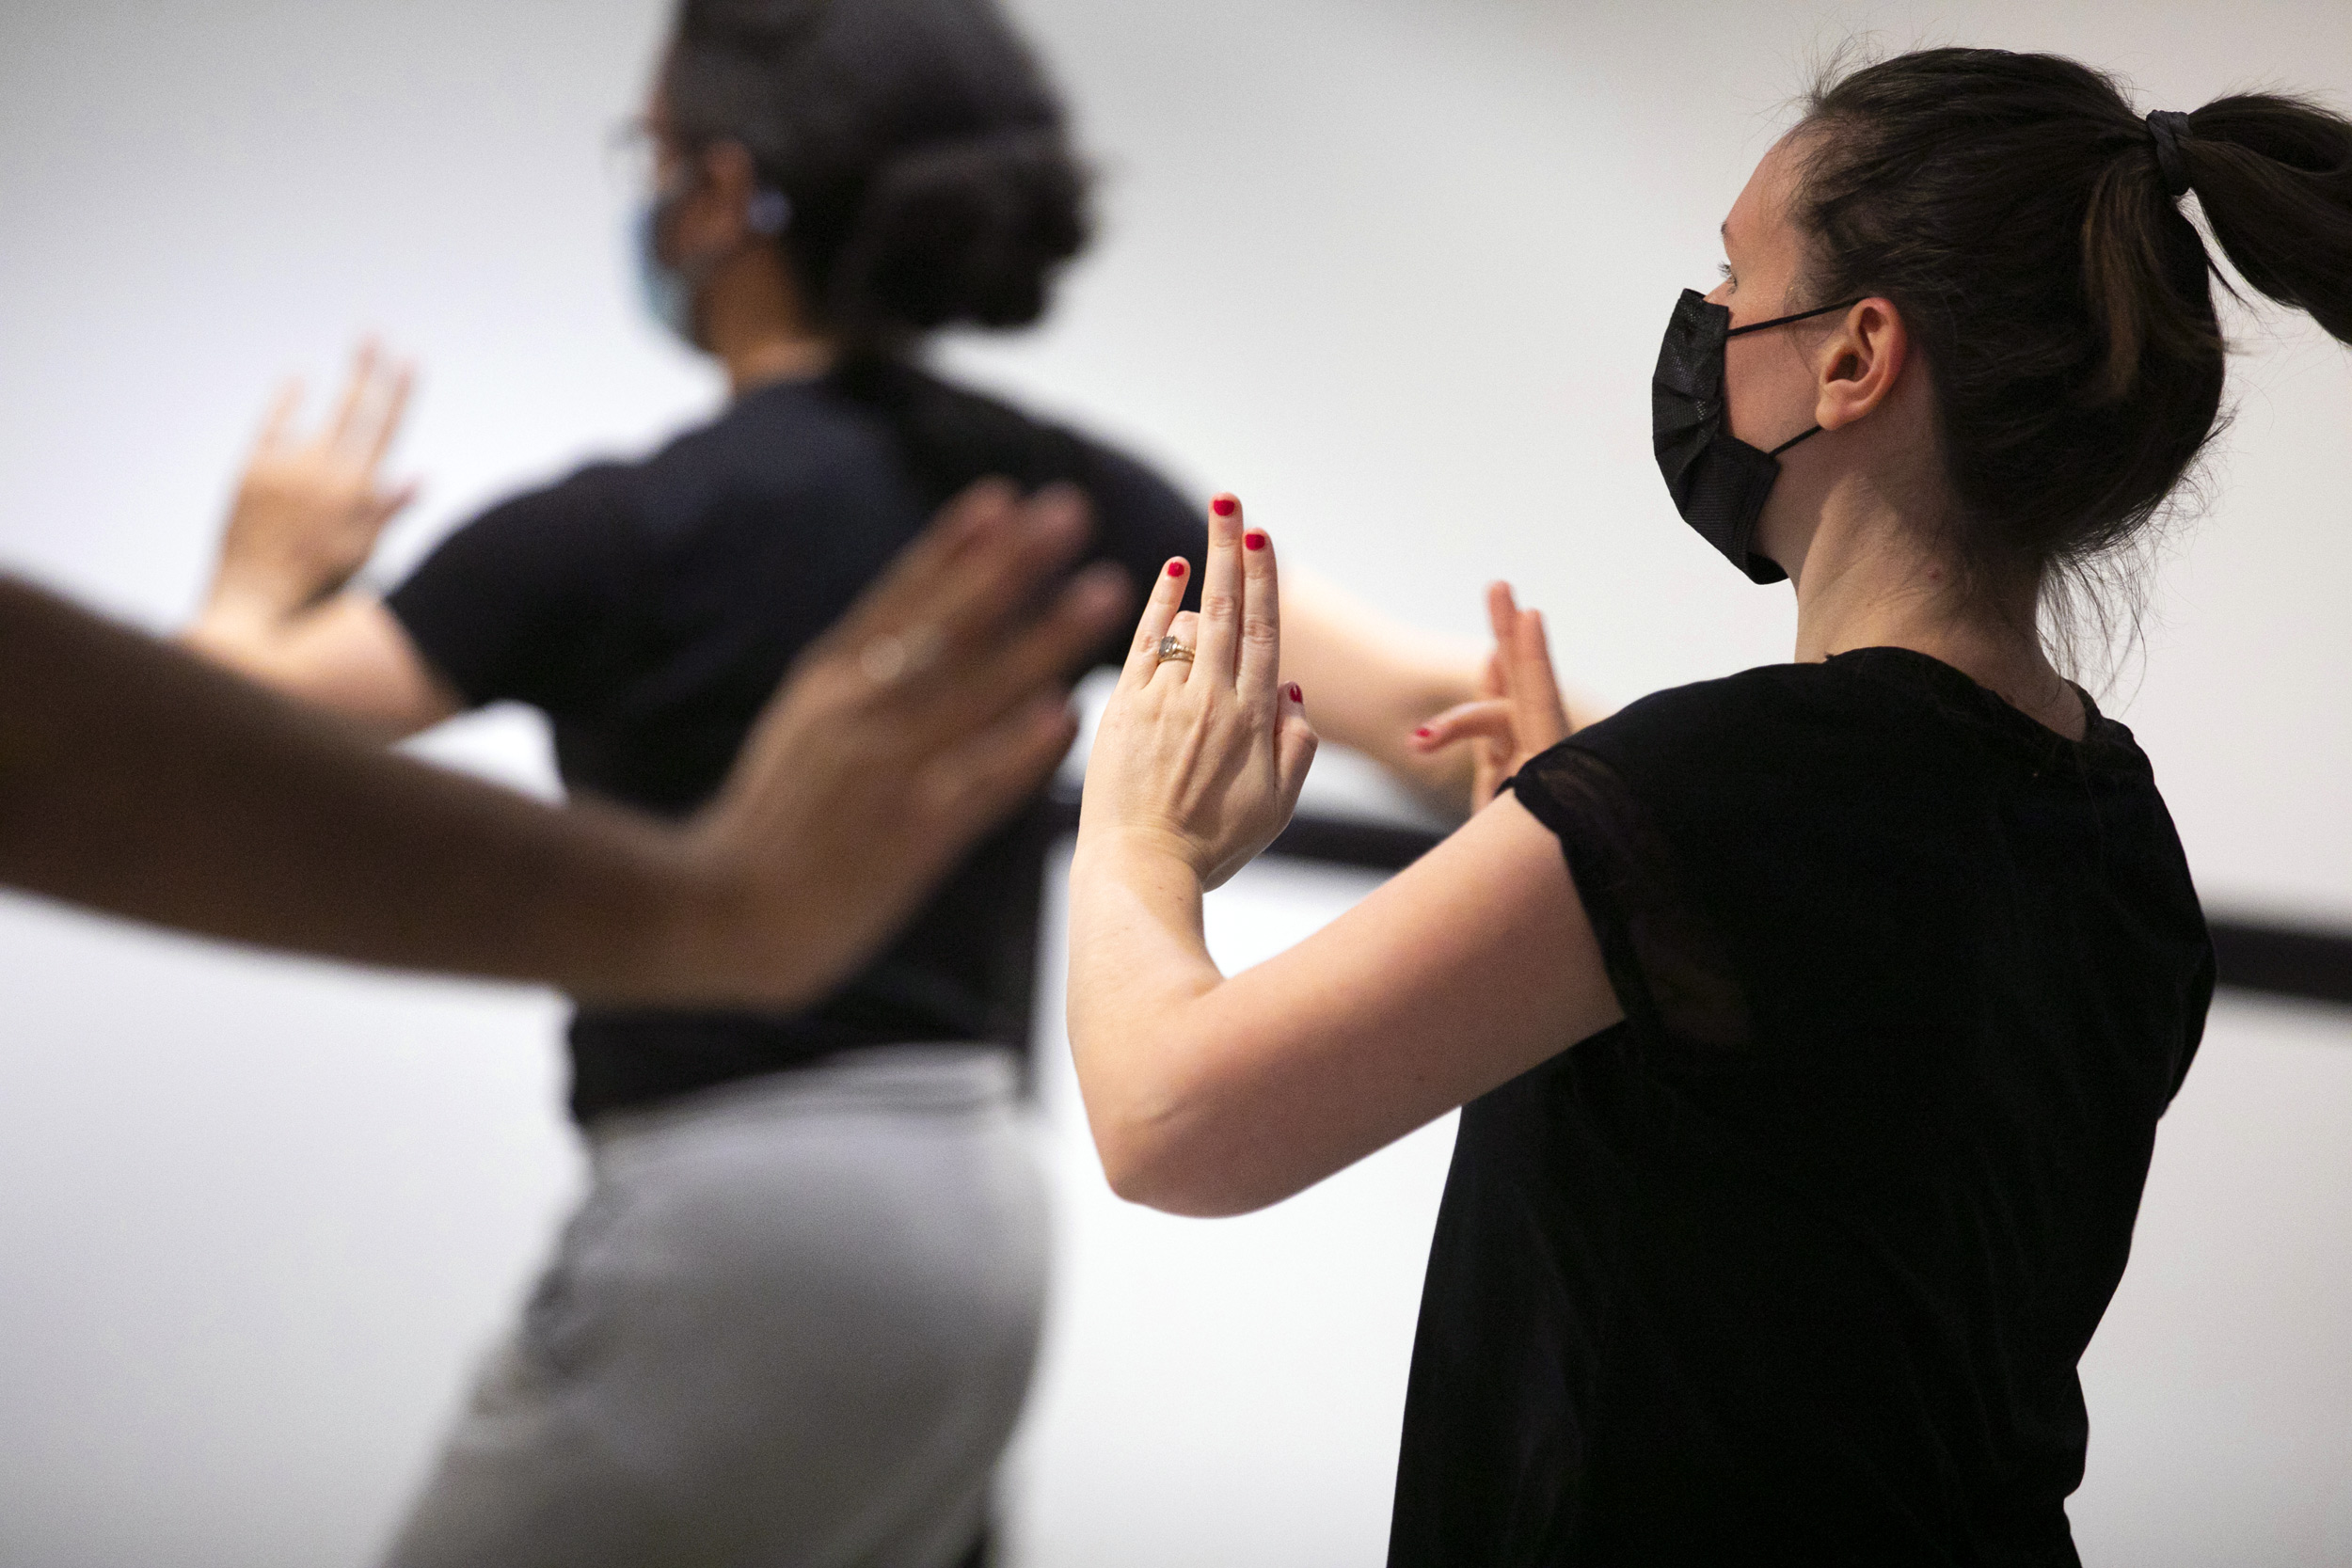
(1800, 316)
(1783, 321)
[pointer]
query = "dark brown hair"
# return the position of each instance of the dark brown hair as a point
(2015, 209)
(918, 142)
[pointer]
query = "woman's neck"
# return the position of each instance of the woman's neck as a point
(753, 323)
(1869, 580)
(768, 360)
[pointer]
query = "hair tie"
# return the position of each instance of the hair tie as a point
(2170, 127)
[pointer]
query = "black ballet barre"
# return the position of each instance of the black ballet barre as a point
(2268, 959)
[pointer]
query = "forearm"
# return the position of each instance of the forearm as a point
(1209, 1095)
(348, 655)
(1369, 683)
(255, 640)
(136, 780)
(1139, 970)
(1218, 1096)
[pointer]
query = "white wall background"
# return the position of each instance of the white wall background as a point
(1393, 269)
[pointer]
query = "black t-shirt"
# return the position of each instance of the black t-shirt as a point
(1795, 1264)
(650, 608)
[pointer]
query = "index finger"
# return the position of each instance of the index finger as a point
(279, 420)
(388, 412)
(338, 432)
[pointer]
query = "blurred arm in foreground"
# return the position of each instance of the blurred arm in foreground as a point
(136, 779)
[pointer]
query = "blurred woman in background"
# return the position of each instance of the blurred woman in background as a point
(1811, 1026)
(795, 1317)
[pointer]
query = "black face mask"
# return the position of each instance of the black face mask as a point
(1718, 481)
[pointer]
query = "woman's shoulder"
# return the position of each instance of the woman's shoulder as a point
(1870, 697)
(1883, 736)
(586, 512)
(1771, 706)
(1795, 739)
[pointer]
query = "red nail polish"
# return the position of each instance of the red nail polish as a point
(1223, 506)
(1255, 540)
(1422, 734)
(1175, 568)
(1297, 695)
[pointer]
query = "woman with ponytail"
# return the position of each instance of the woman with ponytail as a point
(794, 1319)
(1811, 1026)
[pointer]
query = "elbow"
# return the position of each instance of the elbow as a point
(1162, 1165)
(1174, 1128)
(1141, 1174)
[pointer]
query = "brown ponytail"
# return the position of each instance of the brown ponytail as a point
(2026, 221)
(2274, 175)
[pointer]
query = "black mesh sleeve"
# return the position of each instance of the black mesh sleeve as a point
(1665, 960)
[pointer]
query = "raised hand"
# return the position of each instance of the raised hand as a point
(935, 706)
(1519, 712)
(1201, 749)
(310, 506)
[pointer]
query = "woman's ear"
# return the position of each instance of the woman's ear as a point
(712, 218)
(1860, 361)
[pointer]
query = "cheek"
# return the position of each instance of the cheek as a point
(1767, 391)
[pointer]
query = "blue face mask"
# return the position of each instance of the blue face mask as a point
(667, 292)
(663, 291)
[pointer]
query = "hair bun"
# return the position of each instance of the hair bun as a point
(964, 230)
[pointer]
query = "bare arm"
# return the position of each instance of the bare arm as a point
(308, 510)
(1374, 683)
(136, 779)
(1403, 699)
(1210, 1095)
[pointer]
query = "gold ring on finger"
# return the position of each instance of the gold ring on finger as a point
(1171, 650)
(893, 655)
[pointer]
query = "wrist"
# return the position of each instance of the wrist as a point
(705, 936)
(1131, 853)
(240, 610)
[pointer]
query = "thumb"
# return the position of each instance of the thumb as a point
(1294, 744)
(1487, 719)
(1539, 717)
(386, 505)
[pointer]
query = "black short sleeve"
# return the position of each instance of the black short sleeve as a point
(1664, 955)
(528, 602)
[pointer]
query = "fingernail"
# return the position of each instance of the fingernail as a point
(1255, 540)
(1223, 506)
(1175, 568)
(1297, 695)
(1422, 734)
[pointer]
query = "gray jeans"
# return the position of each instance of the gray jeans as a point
(791, 1325)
